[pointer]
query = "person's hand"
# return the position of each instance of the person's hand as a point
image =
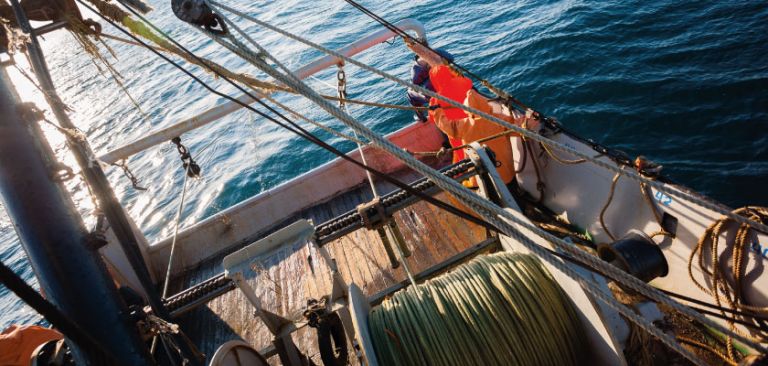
(409, 43)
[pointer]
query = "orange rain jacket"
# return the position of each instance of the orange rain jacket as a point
(468, 127)
(18, 342)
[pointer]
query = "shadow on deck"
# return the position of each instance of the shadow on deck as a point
(287, 281)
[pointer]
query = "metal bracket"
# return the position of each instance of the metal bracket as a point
(238, 262)
(490, 183)
(373, 213)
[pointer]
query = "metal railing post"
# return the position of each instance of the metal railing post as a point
(177, 129)
(72, 276)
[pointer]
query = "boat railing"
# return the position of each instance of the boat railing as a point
(177, 129)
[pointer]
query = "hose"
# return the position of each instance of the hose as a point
(498, 309)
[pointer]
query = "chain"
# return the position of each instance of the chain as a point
(491, 212)
(189, 164)
(555, 145)
(129, 174)
(341, 76)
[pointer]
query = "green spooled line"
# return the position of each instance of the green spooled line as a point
(498, 309)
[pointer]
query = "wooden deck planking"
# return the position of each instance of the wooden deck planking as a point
(287, 279)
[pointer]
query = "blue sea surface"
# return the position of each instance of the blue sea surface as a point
(683, 83)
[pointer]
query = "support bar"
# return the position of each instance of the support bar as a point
(70, 271)
(392, 202)
(218, 285)
(213, 114)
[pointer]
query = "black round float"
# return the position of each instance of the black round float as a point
(637, 255)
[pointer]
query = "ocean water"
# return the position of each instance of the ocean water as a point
(683, 83)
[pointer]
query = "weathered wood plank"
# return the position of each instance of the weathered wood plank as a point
(287, 278)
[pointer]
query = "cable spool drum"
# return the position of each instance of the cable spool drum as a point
(499, 309)
(637, 255)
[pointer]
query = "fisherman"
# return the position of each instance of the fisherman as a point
(18, 343)
(420, 77)
(455, 122)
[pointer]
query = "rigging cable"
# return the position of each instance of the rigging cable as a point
(701, 201)
(482, 207)
(329, 97)
(175, 232)
(497, 216)
(298, 130)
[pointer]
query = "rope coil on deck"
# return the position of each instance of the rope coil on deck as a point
(499, 309)
(488, 211)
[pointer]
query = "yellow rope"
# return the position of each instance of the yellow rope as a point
(725, 290)
(608, 203)
(141, 31)
(442, 152)
(309, 120)
(726, 359)
(561, 160)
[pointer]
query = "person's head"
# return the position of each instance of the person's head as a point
(444, 54)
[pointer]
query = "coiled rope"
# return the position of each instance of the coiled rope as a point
(491, 213)
(729, 290)
(498, 309)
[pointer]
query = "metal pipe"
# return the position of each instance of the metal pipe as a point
(71, 274)
(166, 134)
(98, 183)
(50, 27)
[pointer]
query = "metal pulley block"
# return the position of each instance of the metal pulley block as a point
(373, 213)
(197, 12)
(331, 339)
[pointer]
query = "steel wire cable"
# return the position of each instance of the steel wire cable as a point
(489, 211)
(702, 201)
(508, 228)
(298, 130)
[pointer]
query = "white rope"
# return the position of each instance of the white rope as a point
(495, 214)
(342, 89)
(714, 206)
(307, 119)
(176, 232)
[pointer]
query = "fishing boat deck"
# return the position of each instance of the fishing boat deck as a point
(285, 282)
